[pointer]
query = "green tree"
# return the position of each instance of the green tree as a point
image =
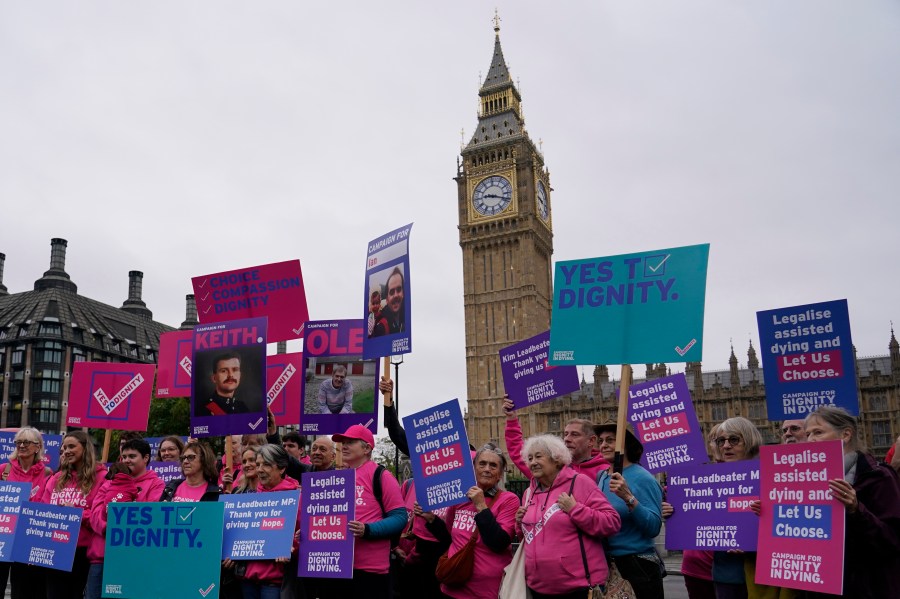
(169, 417)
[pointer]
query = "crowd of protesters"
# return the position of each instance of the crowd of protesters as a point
(576, 520)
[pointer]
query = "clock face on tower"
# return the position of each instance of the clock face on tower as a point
(543, 208)
(492, 195)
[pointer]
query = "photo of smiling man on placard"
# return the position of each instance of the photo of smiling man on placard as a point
(387, 296)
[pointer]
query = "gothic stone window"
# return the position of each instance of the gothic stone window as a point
(881, 433)
(719, 412)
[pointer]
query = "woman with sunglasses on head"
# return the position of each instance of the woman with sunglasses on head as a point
(75, 484)
(198, 465)
(26, 465)
(637, 497)
(489, 517)
(870, 494)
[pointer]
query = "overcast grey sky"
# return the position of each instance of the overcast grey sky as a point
(186, 138)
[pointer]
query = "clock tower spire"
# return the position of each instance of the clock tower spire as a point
(506, 236)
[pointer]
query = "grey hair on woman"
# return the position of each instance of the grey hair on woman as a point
(274, 455)
(28, 433)
(548, 444)
(493, 450)
(840, 420)
(748, 432)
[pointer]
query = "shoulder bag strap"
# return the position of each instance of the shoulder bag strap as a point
(587, 571)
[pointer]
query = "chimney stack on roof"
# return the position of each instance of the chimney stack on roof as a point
(190, 313)
(3, 290)
(56, 277)
(134, 303)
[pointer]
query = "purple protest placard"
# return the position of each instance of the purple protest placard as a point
(166, 471)
(327, 507)
(173, 378)
(283, 381)
(228, 391)
(257, 528)
(665, 422)
(115, 396)
(274, 291)
(51, 449)
(339, 386)
(46, 535)
(388, 300)
(801, 528)
(12, 495)
(439, 455)
(528, 378)
(808, 359)
(712, 506)
(155, 442)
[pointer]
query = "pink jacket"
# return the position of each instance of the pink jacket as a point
(269, 571)
(591, 467)
(72, 495)
(36, 475)
(553, 562)
(122, 488)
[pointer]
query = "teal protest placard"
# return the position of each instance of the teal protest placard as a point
(632, 308)
(181, 540)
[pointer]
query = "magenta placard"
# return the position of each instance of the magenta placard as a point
(801, 528)
(173, 378)
(107, 395)
(272, 290)
(283, 387)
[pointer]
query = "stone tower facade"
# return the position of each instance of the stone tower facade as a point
(506, 236)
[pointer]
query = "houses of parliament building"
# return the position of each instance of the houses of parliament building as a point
(506, 234)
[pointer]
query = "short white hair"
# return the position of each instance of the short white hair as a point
(551, 445)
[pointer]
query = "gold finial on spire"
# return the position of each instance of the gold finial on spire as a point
(541, 145)
(462, 138)
(497, 22)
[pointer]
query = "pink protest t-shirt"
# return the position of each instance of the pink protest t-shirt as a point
(373, 555)
(186, 492)
(488, 570)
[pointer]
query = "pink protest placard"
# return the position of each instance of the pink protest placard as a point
(106, 395)
(801, 529)
(272, 290)
(283, 387)
(173, 377)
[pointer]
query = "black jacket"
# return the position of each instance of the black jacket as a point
(212, 491)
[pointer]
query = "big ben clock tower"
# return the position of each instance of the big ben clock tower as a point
(506, 235)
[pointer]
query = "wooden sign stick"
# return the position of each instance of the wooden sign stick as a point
(624, 384)
(107, 439)
(386, 376)
(229, 461)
